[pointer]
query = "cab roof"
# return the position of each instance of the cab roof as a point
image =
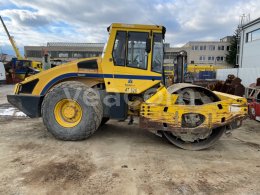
(137, 26)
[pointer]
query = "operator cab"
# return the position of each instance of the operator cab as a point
(134, 56)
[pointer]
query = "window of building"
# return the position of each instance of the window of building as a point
(253, 35)
(54, 54)
(195, 47)
(249, 37)
(220, 58)
(136, 54)
(34, 54)
(228, 48)
(211, 58)
(237, 59)
(119, 50)
(175, 59)
(63, 55)
(77, 55)
(221, 47)
(202, 58)
(212, 47)
(203, 47)
(169, 55)
(157, 53)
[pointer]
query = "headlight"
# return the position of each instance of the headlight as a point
(28, 87)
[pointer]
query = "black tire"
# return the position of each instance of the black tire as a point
(91, 114)
(104, 121)
(200, 145)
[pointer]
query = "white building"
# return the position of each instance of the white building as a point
(248, 58)
(249, 51)
(209, 52)
(202, 52)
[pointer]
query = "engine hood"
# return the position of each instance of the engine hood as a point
(40, 83)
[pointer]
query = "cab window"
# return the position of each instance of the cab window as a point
(136, 54)
(119, 50)
(157, 61)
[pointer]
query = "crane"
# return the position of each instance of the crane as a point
(20, 67)
(16, 50)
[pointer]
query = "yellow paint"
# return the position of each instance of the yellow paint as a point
(36, 65)
(68, 113)
(46, 76)
(162, 97)
(213, 114)
(193, 68)
(106, 66)
(199, 68)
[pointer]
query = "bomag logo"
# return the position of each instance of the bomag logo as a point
(129, 83)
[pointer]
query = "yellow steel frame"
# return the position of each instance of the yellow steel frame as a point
(216, 114)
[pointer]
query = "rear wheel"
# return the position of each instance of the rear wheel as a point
(72, 111)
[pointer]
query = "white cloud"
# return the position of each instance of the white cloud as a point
(36, 22)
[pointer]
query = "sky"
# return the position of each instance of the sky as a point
(36, 22)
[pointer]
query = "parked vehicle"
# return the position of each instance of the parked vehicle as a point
(2, 73)
(253, 98)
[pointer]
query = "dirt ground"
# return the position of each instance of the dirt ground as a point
(123, 159)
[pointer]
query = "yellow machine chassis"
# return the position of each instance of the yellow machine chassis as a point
(161, 113)
(165, 111)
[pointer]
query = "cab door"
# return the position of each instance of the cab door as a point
(131, 63)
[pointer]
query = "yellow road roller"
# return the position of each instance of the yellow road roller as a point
(76, 98)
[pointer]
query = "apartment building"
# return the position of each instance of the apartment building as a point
(202, 52)
(208, 52)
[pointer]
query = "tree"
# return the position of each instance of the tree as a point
(232, 53)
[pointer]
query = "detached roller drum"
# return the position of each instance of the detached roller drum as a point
(72, 111)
